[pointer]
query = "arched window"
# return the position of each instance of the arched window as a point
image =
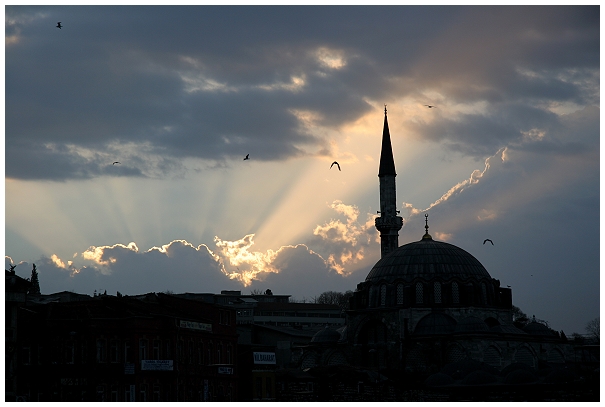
(524, 355)
(483, 294)
(399, 294)
(419, 293)
(383, 295)
(491, 356)
(437, 289)
(455, 293)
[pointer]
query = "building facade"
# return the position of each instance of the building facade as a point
(154, 347)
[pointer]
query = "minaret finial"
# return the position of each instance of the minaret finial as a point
(426, 227)
(385, 109)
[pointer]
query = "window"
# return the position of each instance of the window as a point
(200, 353)
(190, 352)
(84, 350)
(114, 392)
(419, 293)
(101, 393)
(25, 355)
(69, 353)
(128, 354)
(455, 293)
(156, 392)
(437, 289)
(167, 352)
(156, 349)
(259, 387)
(179, 349)
(113, 351)
(383, 295)
(229, 352)
(209, 361)
(218, 353)
(143, 349)
(142, 392)
(101, 351)
(399, 294)
(483, 294)
(268, 392)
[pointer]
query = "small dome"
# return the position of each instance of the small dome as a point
(520, 376)
(478, 377)
(326, 335)
(427, 259)
(438, 379)
(507, 329)
(537, 329)
(435, 324)
(471, 324)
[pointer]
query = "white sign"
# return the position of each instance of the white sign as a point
(264, 358)
(156, 364)
(225, 370)
(198, 326)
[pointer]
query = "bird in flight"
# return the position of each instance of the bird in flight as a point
(59, 25)
(338, 165)
(247, 157)
(430, 106)
(115, 162)
(488, 240)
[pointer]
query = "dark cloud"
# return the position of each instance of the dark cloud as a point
(116, 76)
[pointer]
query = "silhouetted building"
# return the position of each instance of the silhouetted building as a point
(152, 347)
(430, 316)
(15, 293)
(271, 333)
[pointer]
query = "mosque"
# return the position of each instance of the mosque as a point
(429, 305)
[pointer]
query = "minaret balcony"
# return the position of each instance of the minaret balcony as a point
(386, 223)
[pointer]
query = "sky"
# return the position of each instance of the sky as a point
(179, 95)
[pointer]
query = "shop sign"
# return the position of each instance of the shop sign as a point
(198, 326)
(156, 364)
(264, 358)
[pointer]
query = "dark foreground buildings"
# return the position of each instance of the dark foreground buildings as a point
(429, 323)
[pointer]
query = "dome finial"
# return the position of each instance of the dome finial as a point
(385, 109)
(426, 227)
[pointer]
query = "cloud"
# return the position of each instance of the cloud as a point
(151, 100)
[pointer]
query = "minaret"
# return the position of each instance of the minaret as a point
(388, 223)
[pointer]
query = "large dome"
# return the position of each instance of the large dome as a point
(427, 260)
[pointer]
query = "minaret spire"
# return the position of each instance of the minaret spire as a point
(388, 223)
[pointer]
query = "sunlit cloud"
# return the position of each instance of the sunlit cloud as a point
(296, 84)
(443, 236)
(97, 254)
(330, 58)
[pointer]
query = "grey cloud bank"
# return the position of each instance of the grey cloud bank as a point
(221, 82)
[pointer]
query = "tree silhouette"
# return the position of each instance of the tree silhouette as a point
(35, 284)
(593, 329)
(335, 298)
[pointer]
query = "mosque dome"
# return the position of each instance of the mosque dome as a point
(429, 273)
(537, 329)
(326, 335)
(428, 260)
(471, 324)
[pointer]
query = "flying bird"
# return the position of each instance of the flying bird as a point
(247, 157)
(59, 25)
(338, 165)
(115, 162)
(488, 240)
(430, 106)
